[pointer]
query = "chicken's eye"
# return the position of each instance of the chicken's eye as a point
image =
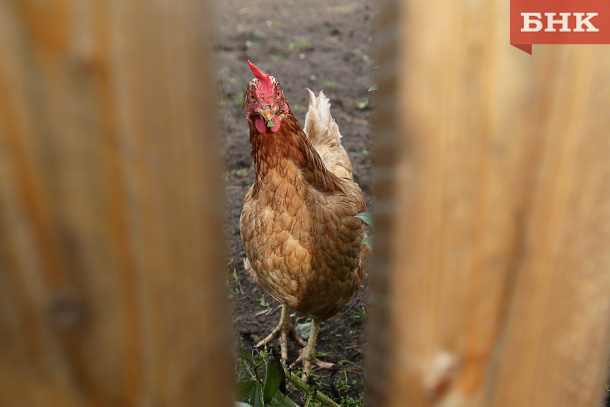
(278, 93)
(252, 97)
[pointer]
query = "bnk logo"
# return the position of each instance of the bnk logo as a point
(559, 22)
(532, 22)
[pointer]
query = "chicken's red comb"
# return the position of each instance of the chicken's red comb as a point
(264, 79)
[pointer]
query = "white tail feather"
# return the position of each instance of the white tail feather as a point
(323, 133)
(320, 127)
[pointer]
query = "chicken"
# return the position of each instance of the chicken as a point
(302, 240)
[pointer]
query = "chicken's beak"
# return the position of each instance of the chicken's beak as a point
(268, 114)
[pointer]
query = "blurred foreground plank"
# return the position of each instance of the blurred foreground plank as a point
(111, 269)
(492, 281)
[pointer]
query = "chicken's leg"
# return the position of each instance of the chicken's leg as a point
(283, 329)
(308, 358)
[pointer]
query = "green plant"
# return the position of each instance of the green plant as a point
(258, 390)
(240, 172)
(263, 302)
(232, 279)
(251, 44)
(238, 99)
(367, 217)
(359, 312)
(342, 385)
(303, 43)
(236, 282)
(363, 105)
(328, 84)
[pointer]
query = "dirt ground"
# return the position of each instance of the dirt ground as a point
(322, 46)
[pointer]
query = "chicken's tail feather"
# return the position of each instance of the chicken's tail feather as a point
(323, 133)
(320, 127)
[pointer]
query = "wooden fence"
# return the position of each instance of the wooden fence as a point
(111, 283)
(492, 268)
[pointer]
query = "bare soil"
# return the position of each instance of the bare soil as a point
(305, 44)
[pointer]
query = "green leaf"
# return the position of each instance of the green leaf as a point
(244, 389)
(363, 105)
(372, 88)
(281, 400)
(245, 355)
(256, 397)
(270, 123)
(367, 217)
(273, 379)
(368, 241)
(239, 98)
(241, 172)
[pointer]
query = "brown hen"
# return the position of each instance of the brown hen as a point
(298, 225)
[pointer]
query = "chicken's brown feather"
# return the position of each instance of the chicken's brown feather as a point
(298, 225)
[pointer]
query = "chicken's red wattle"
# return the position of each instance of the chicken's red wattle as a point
(262, 127)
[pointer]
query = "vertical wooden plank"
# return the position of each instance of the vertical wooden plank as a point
(387, 144)
(499, 255)
(111, 282)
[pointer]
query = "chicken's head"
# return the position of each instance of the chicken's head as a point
(265, 103)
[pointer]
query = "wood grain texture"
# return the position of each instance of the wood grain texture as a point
(111, 270)
(498, 260)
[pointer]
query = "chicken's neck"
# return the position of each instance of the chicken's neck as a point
(276, 151)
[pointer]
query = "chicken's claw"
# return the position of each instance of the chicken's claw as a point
(284, 329)
(307, 357)
(307, 362)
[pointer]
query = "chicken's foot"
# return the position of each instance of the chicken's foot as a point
(307, 358)
(284, 330)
